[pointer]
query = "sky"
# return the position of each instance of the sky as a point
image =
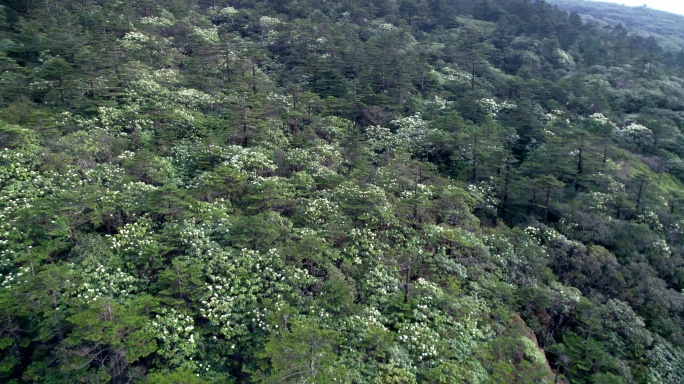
(674, 6)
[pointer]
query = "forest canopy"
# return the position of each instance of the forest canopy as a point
(437, 191)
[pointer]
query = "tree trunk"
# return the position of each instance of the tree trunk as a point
(548, 195)
(638, 202)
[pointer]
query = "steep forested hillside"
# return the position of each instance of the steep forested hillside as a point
(666, 28)
(440, 191)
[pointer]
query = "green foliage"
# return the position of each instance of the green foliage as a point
(360, 192)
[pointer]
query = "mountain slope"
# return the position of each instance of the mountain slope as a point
(312, 191)
(665, 27)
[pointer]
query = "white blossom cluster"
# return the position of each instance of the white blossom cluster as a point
(280, 101)
(134, 238)
(534, 233)
(661, 248)
(412, 133)
(134, 40)
(332, 128)
(492, 108)
(420, 340)
(21, 185)
(601, 119)
(553, 117)
(98, 281)
(380, 138)
(196, 99)
(381, 283)
(16, 277)
(197, 238)
(451, 74)
(43, 85)
(177, 336)
(364, 326)
(239, 285)
(116, 122)
(565, 58)
(246, 163)
(485, 194)
(468, 333)
(319, 161)
(363, 247)
(436, 103)
(268, 22)
(251, 160)
(651, 219)
(222, 13)
(318, 211)
(422, 191)
(382, 26)
(636, 133)
(352, 199)
(570, 296)
(157, 21)
(206, 35)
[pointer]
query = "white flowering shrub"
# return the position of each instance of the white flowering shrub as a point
(131, 199)
(134, 40)
(268, 22)
(380, 139)
(318, 211)
(553, 117)
(366, 327)
(177, 338)
(117, 122)
(420, 340)
(99, 281)
(666, 363)
(366, 203)
(152, 89)
(492, 108)
(566, 59)
(380, 283)
(410, 134)
(485, 195)
(164, 21)
(196, 99)
(21, 184)
(436, 104)
(518, 255)
(206, 35)
(135, 243)
(246, 163)
(601, 119)
(568, 297)
(251, 160)
(319, 161)
(242, 288)
(380, 26)
(222, 13)
(413, 134)
(651, 219)
(333, 128)
(363, 247)
(455, 75)
(635, 134)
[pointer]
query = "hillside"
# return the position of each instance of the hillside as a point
(666, 28)
(442, 191)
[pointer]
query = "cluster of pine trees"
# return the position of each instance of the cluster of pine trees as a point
(385, 191)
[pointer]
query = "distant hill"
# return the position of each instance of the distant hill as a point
(667, 28)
